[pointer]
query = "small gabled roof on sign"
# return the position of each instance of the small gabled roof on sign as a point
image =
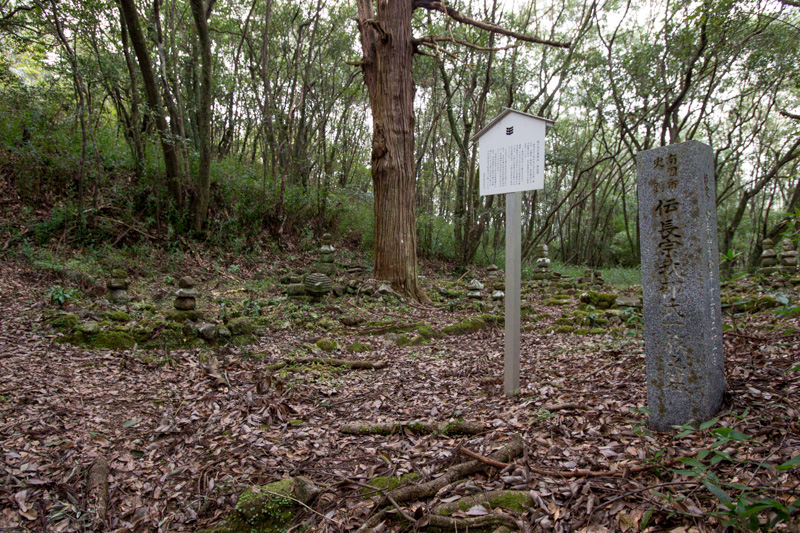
(500, 117)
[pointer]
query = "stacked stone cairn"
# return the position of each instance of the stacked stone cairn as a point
(327, 253)
(475, 287)
(118, 287)
(788, 257)
(587, 277)
(542, 271)
(769, 259)
(186, 295)
(494, 278)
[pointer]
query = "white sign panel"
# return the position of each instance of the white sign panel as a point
(512, 154)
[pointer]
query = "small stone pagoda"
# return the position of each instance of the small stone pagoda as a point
(118, 287)
(325, 264)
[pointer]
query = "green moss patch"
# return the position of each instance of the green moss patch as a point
(65, 322)
(510, 500)
(326, 345)
(465, 327)
(358, 347)
(268, 508)
(119, 316)
(599, 300)
(386, 483)
(240, 326)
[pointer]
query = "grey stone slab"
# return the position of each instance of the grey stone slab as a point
(680, 280)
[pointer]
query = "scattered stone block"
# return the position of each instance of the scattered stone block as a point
(627, 299)
(187, 282)
(207, 332)
(240, 325)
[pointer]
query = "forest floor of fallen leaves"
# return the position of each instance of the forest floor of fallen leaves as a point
(184, 431)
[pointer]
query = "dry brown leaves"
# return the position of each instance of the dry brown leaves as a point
(180, 447)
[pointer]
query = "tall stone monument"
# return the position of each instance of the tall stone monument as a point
(680, 279)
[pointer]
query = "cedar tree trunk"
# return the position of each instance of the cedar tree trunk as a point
(387, 68)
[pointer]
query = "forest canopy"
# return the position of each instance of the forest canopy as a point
(245, 122)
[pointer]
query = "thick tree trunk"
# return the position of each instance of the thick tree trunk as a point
(387, 67)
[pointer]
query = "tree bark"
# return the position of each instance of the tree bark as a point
(201, 11)
(387, 68)
(171, 166)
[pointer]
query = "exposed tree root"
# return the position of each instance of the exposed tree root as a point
(573, 473)
(490, 500)
(97, 491)
(454, 473)
(497, 518)
(330, 361)
(454, 427)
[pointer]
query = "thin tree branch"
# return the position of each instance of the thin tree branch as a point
(429, 39)
(434, 5)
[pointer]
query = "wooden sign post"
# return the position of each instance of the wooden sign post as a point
(511, 151)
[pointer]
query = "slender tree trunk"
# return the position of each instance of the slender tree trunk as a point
(201, 12)
(171, 165)
(135, 132)
(387, 68)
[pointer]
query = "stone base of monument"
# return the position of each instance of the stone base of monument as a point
(295, 290)
(329, 269)
(176, 315)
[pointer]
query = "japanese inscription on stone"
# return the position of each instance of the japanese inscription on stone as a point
(680, 278)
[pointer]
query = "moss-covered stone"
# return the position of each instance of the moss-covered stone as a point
(119, 316)
(597, 331)
(581, 331)
(750, 304)
(398, 339)
(263, 509)
(112, 340)
(65, 322)
(564, 321)
(141, 334)
(89, 328)
(358, 347)
(465, 327)
(418, 340)
(450, 293)
(599, 300)
(426, 331)
(240, 325)
(326, 345)
(565, 329)
(595, 321)
(176, 315)
(494, 320)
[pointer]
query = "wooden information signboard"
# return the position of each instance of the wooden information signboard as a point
(511, 149)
